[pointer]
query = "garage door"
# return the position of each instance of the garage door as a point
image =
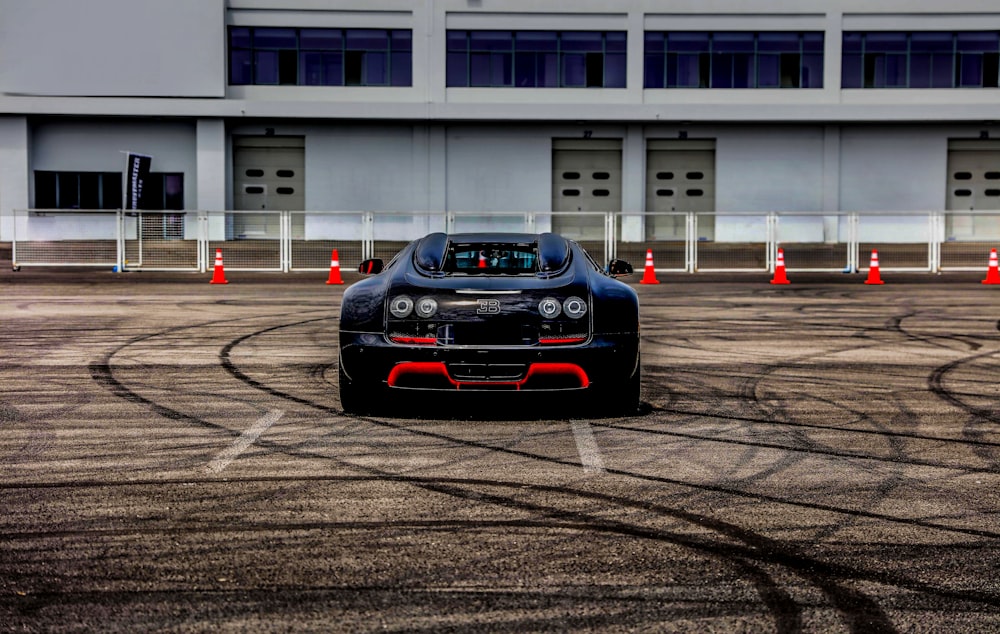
(268, 173)
(973, 183)
(586, 176)
(680, 176)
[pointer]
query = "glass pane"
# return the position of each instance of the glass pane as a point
(536, 41)
(943, 71)
(851, 71)
(69, 197)
(574, 70)
(501, 69)
(812, 42)
(920, 70)
(812, 71)
(885, 42)
(768, 71)
(457, 70)
(615, 42)
(733, 43)
(173, 191)
(687, 42)
(653, 71)
(778, 42)
(367, 39)
(655, 42)
(932, 42)
(743, 71)
(239, 37)
(581, 41)
(524, 70)
(853, 42)
(895, 71)
(111, 190)
(614, 70)
(90, 190)
(376, 69)
(479, 69)
(266, 67)
(402, 68)
(321, 39)
(977, 42)
(274, 38)
(547, 69)
(401, 40)
(240, 68)
(152, 193)
(689, 71)
(970, 70)
(45, 190)
(491, 41)
(458, 41)
(722, 71)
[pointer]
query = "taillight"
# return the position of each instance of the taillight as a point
(575, 307)
(426, 307)
(401, 306)
(549, 307)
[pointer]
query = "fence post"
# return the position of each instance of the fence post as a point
(772, 240)
(120, 240)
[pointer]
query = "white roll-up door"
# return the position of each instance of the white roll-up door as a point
(680, 177)
(973, 184)
(586, 177)
(268, 174)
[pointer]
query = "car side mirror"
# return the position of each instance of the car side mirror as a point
(617, 268)
(371, 267)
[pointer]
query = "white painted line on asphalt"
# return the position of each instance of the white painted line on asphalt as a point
(590, 454)
(246, 439)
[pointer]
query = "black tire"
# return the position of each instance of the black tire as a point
(621, 398)
(354, 398)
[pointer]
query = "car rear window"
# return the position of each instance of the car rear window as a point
(491, 258)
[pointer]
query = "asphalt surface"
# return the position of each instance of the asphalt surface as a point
(818, 457)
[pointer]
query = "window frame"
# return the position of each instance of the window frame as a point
(970, 65)
(528, 59)
(328, 57)
(737, 60)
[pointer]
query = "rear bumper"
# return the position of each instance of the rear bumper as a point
(368, 359)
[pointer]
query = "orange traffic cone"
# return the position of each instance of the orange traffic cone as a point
(779, 269)
(649, 275)
(482, 260)
(334, 270)
(993, 274)
(873, 275)
(218, 274)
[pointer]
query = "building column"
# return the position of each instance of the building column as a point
(633, 184)
(831, 182)
(13, 172)
(211, 182)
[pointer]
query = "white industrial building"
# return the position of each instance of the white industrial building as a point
(635, 106)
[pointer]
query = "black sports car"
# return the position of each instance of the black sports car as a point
(490, 312)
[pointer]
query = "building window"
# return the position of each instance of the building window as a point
(163, 191)
(103, 190)
(967, 59)
(320, 57)
(695, 59)
(536, 59)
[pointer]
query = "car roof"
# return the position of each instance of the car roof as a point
(553, 249)
(496, 236)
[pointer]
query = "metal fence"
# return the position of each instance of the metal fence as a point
(690, 242)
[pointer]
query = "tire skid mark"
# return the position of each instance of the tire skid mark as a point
(847, 601)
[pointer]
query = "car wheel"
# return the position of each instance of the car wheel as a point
(620, 398)
(354, 398)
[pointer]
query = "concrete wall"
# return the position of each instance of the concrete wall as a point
(118, 48)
